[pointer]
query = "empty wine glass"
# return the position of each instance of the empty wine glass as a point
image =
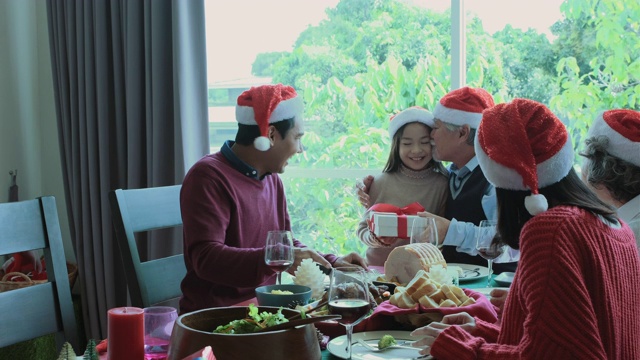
(279, 252)
(423, 230)
(349, 297)
(485, 233)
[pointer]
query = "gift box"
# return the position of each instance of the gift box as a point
(391, 224)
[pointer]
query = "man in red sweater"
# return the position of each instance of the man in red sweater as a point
(574, 294)
(231, 199)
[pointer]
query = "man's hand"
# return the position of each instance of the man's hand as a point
(363, 186)
(351, 259)
(306, 253)
(442, 225)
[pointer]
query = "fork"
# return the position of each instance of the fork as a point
(401, 345)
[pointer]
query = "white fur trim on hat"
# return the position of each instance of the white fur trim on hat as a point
(286, 109)
(536, 204)
(619, 146)
(412, 114)
(262, 143)
(457, 117)
(549, 172)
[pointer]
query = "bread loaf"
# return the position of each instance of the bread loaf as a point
(404, 262)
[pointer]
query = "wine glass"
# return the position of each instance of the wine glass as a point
(485, 233)
(349, 297)
(279, 252)
(423, 230)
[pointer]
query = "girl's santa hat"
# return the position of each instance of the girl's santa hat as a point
(406, 116)
(522, 145)
(463, 106)
(265, 105)
(622, 128)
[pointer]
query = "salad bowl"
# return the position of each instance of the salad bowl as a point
(193, 331)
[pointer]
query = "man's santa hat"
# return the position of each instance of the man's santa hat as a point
(463, 106)
(622, 128)
(265, 105)
(406, 116)
(522, 145)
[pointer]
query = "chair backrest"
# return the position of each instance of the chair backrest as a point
(44, 308)
(141, 210)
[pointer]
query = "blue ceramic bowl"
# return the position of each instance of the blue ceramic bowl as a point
(266, 297)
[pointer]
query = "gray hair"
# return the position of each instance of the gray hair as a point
(472, 131)
(619, 177)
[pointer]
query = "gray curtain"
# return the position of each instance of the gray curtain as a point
(131, 102)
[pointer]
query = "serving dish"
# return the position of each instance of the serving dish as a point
(193, 331)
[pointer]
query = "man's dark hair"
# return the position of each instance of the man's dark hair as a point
(247, 133)
(512, 214)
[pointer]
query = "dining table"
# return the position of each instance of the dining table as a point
(478, 284)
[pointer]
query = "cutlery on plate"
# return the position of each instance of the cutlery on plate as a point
(399, 345)
(298, 322)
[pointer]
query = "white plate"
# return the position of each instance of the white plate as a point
(337, 346)
(471, 272)
(505, 278)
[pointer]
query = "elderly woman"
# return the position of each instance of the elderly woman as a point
(579, 270)
(611, 166)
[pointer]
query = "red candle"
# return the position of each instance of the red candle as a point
(126, 334)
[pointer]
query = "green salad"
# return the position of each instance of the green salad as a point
(254, 321)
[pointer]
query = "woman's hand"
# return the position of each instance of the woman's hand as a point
(498, 298)
(433, 330)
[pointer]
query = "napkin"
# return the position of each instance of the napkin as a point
(384, 316)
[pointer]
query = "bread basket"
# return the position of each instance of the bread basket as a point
(6, 284)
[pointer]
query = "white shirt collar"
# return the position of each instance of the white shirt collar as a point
(627, 211)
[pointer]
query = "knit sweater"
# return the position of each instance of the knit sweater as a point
(401, 188)
(226, 216)
(575, 296)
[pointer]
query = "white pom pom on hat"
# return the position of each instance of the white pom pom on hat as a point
(463, 106)
(409, 115)
(622, 128)
(265, 105)
(522, 145)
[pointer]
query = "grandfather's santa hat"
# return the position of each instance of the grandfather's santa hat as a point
(522, 145)
(265, 105)
(406, 116)
(463, 106)
(622, 128)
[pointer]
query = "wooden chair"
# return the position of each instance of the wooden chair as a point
(141, 210)
(44, 308)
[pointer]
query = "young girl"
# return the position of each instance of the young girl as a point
(411, 175)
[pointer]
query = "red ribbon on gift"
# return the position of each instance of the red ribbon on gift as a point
(402, 212)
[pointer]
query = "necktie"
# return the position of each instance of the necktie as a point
(457, 179)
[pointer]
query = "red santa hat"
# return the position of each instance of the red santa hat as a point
(406, 116)
(265, 105)
(622, 128)
(463, 106)
(522, 145)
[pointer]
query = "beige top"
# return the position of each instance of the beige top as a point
(401, 188)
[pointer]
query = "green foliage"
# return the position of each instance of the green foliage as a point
(263, 65)
(67, 353)
(91, 353)
(372, 58)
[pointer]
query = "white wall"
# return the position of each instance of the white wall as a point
(28, 129)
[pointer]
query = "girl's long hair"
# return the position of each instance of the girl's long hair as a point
(571, 191)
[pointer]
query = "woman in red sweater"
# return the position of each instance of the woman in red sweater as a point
(575, 293)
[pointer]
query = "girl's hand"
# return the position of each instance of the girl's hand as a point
(498, 298)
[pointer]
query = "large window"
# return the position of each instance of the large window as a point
(358, 61)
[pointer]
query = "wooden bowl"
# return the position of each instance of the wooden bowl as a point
(193, 331)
